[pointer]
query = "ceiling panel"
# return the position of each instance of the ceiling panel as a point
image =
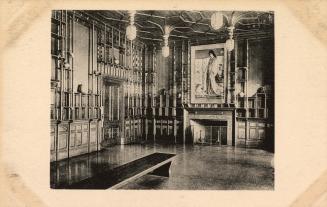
(188, 24)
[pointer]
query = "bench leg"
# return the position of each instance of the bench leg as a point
(163, 170)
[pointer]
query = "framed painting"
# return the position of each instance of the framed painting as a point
(208, 73)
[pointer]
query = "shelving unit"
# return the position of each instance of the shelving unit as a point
(242, 101)
(122, 60)
(60, 75)
(251, 112)
(232, 78)
(257, 107)
(77, 115)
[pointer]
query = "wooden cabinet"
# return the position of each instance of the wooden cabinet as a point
(251, 133)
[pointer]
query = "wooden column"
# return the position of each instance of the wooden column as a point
(188, 71)
(246, 93)
(182, 87)
(121, 111)
(182, 71)
(153, 91)
(72, 64)
(174, 93)
(61, 68)
(227, 77)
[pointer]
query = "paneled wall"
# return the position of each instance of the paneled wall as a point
(82, 47)
(164, 117)
(97, 85)
(255, 79)
(76, 96)
(164, 71)
(261, 64)
(108, 90)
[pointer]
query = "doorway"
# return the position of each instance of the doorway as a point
(112, 115)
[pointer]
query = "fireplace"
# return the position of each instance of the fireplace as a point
(211, 126)
(209, 131)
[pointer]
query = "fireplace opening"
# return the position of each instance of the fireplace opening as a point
(212, 132)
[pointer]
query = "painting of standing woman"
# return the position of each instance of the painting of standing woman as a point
(208, 73)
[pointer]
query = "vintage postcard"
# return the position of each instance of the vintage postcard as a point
(163, 103)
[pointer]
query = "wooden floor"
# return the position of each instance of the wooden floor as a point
(193, 168)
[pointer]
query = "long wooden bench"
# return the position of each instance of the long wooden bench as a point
(156, 163)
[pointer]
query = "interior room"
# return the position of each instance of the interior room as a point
(162, 99)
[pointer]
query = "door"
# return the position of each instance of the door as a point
(112, 112)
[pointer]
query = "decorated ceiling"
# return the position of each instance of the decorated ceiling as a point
(189, 24)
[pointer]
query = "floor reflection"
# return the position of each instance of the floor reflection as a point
(194, 167)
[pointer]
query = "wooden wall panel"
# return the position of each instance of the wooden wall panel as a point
(255, 137)
(93, 136)
(164, 69)
(241, 133)
(72, 136)
(93, 133)
(52, 138)
(76, 138)
(261, 64)
(81, 53)
(241, 53)
(78, 141)
(62, 141)
(100, 135)
(53, 146)
(85, 134)
(261, 132)
(253, 133)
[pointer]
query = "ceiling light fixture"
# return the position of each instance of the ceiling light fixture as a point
(165, 51)
(165, 48)
(217, 20)
(131, 29)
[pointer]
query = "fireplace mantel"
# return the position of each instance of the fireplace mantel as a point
(215, 114)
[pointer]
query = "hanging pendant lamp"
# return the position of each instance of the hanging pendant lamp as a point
(131, 29)
(165, 48)
(217, 20)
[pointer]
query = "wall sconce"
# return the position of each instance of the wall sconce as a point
(217, 20)
(131, 29)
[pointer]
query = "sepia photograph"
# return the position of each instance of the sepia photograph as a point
(162, 99)
(163, 103)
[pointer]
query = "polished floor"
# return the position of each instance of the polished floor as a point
(194, 167)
